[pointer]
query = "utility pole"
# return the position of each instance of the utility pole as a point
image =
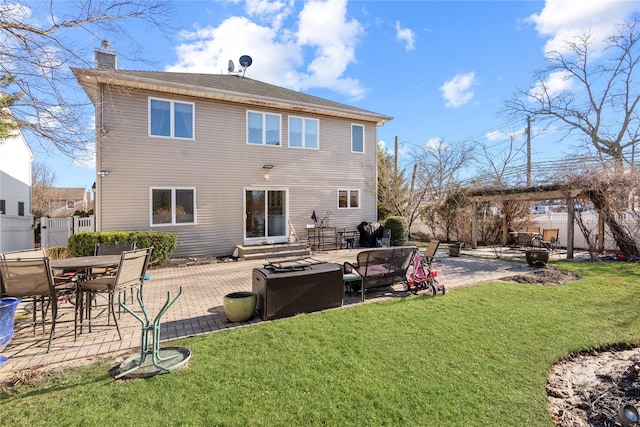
(395, 158)
(413, 177)
(528, 151)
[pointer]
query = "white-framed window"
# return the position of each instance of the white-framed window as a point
(172, 206)
(3, 207)
(357, 138)
(20, 208)
(303, 132)
(263, 128)
(348, 199)
(71, 204)
(171, 119)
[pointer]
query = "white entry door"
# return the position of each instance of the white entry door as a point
(265, 216)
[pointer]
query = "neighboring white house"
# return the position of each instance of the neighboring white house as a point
(224, 160)
(16, 221)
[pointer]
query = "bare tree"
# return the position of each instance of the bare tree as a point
(438, 165)
(611, 194)
(600, 99)
(495, 167)
(40, 41)
(601, 105)
(42, 191)
(392, 186)
(497, 172)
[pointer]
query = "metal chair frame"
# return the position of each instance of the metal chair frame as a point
(130, 274)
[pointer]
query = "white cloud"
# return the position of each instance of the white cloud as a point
(562, 20)
(274, 12)
(406, 35)
(457, 91)
(322, 33)
(383, 147)
(555, 84)
(496, 135)
(433, 144)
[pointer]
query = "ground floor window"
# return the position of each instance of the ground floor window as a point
(173, 206)
(348, 199)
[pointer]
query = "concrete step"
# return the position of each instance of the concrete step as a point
(272, 251)
(272, 255)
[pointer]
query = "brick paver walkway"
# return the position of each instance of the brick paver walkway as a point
(199, 309)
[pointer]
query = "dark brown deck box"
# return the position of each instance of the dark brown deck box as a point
(285, 293)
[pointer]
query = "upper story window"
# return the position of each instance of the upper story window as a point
(348, 199)
(171, 119)
(263, 128)
(173, 206)
(357, 139)
(3, 207)
(20, 208)
(71, 204)
(303, 133)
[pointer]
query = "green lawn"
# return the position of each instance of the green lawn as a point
(477, 356)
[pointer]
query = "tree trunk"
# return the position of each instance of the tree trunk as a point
(625, 242)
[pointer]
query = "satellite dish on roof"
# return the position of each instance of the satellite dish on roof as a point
(246, 61)
(231, 67)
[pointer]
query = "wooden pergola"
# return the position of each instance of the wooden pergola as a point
(532, 194)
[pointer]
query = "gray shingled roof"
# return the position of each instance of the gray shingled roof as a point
(224, 87)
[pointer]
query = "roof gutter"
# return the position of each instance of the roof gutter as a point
(90, 78)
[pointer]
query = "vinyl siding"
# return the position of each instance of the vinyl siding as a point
(16, 232)
(220, 165)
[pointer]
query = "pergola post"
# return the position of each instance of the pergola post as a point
(571, 216)
(474, 226)
(600, 234)
(505, 228)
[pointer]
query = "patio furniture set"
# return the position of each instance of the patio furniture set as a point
(31, 276)
(549, 239)
(300, 285)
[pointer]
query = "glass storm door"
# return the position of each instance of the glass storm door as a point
(265, 216)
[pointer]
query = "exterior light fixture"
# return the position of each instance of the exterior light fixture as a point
(103, 173)
(267, 169)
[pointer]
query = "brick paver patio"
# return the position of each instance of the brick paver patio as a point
(199, 309)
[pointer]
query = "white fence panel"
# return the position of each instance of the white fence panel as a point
(16, 233)
(56, 231)
(559, 221)
(83, 224)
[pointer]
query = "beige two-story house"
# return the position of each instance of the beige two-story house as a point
(224, 160)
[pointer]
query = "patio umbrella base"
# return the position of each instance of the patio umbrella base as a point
(168, 359)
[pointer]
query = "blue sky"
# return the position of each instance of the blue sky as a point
(442, 69)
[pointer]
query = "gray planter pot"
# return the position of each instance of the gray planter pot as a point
(537, 257)
(454, 250)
